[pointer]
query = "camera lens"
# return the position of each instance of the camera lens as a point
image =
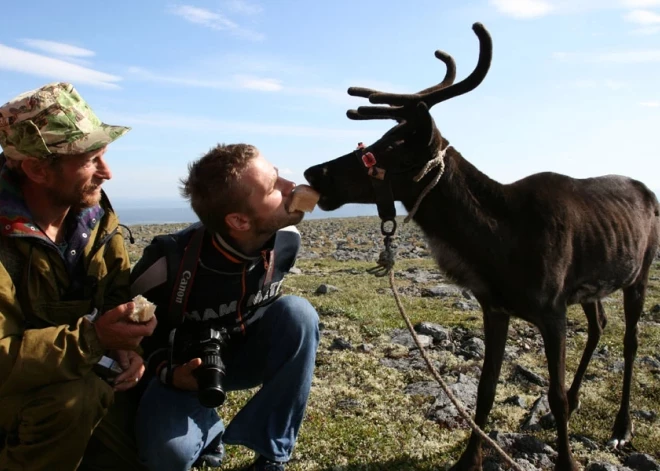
(209, 381)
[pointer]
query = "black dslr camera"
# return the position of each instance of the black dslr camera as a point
(202, 340)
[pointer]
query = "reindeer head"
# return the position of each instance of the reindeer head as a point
(385, 168)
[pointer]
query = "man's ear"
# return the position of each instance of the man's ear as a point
(238, 222)
(36, 170)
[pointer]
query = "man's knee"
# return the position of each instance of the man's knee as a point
(71, 405)
(53, 424)
(176, 454)
(299, 315)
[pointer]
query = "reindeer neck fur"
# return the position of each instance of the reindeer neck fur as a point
(464, 219)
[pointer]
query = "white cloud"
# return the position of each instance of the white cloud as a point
(232, 83)
(629, 57)
(640, 3)
(30, 63)
(243, 7)
(523, 8)
(650, 104)
(59, 49)
(246, 82)
(643, 17)
(213, 20)
(285, 171)
(203, 17)
(255, 83)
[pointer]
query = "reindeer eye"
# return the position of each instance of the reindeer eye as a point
(389, 149)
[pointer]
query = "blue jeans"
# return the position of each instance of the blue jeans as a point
(173, 429)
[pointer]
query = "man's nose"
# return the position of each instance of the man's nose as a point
(103, 169)
(287, 186)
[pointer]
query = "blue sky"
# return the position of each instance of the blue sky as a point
(573, 88)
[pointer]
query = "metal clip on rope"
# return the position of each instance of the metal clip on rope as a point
(385, 262)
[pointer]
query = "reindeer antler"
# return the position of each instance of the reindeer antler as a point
(450, 76)
(399, 107)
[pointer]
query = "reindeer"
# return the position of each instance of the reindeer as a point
(527, 249)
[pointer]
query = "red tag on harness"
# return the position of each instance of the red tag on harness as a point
(368, 160)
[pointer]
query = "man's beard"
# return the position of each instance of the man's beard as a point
(274, 224)
(77, 199)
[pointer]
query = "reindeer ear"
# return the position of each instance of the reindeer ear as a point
(425, 124)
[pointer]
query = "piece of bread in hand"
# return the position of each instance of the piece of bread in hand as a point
(143, 311)
(304, 199)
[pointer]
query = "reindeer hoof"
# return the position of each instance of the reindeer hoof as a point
(621, 439)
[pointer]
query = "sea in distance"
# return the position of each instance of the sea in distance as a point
(133, 212)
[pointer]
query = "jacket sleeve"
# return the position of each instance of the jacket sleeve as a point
(117, 280)
(37, 357)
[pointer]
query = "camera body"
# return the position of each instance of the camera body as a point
(202, 340)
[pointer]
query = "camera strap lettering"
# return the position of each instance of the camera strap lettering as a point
(185, 277)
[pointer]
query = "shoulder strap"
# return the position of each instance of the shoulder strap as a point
(185, 276)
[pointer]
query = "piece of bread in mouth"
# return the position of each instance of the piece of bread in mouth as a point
(143, 311)
(304, 199)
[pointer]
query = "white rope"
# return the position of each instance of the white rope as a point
(459, 407)
(439, 160)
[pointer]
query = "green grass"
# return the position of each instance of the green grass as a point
(388, 429)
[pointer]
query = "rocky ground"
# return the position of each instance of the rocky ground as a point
(332, 264)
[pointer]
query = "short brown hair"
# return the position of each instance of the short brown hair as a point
(213, 186)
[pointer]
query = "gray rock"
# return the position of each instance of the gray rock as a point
(436, 331)
(441, 291)
(647, 415)
(587, 442)
(642, 462)
(366, 348)
(473, 347)
(444, 412)
(464, 306)
(600, 466)
(539, 409)
(325, 289)
(423, 388)
(528, 375)
(403, 337)
(340, 344)
(650, 361)
(516, 401)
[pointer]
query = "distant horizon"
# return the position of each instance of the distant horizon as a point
(175, 211)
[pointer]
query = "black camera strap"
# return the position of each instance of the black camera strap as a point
(185, 277)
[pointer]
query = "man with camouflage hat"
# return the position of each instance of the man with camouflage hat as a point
(64, 290)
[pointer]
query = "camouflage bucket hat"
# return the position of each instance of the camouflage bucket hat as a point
(53, 119)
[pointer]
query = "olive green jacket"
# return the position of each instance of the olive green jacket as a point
(44, 337)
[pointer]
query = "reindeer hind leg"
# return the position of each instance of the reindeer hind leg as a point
(597, 322)
(633, 304)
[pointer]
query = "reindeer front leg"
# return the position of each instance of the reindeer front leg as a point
(553, 330)
(496, 326)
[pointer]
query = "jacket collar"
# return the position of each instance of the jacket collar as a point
(234, 255)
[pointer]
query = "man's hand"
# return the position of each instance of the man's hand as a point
(116, 332)
(133, 366)
(183, 376)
